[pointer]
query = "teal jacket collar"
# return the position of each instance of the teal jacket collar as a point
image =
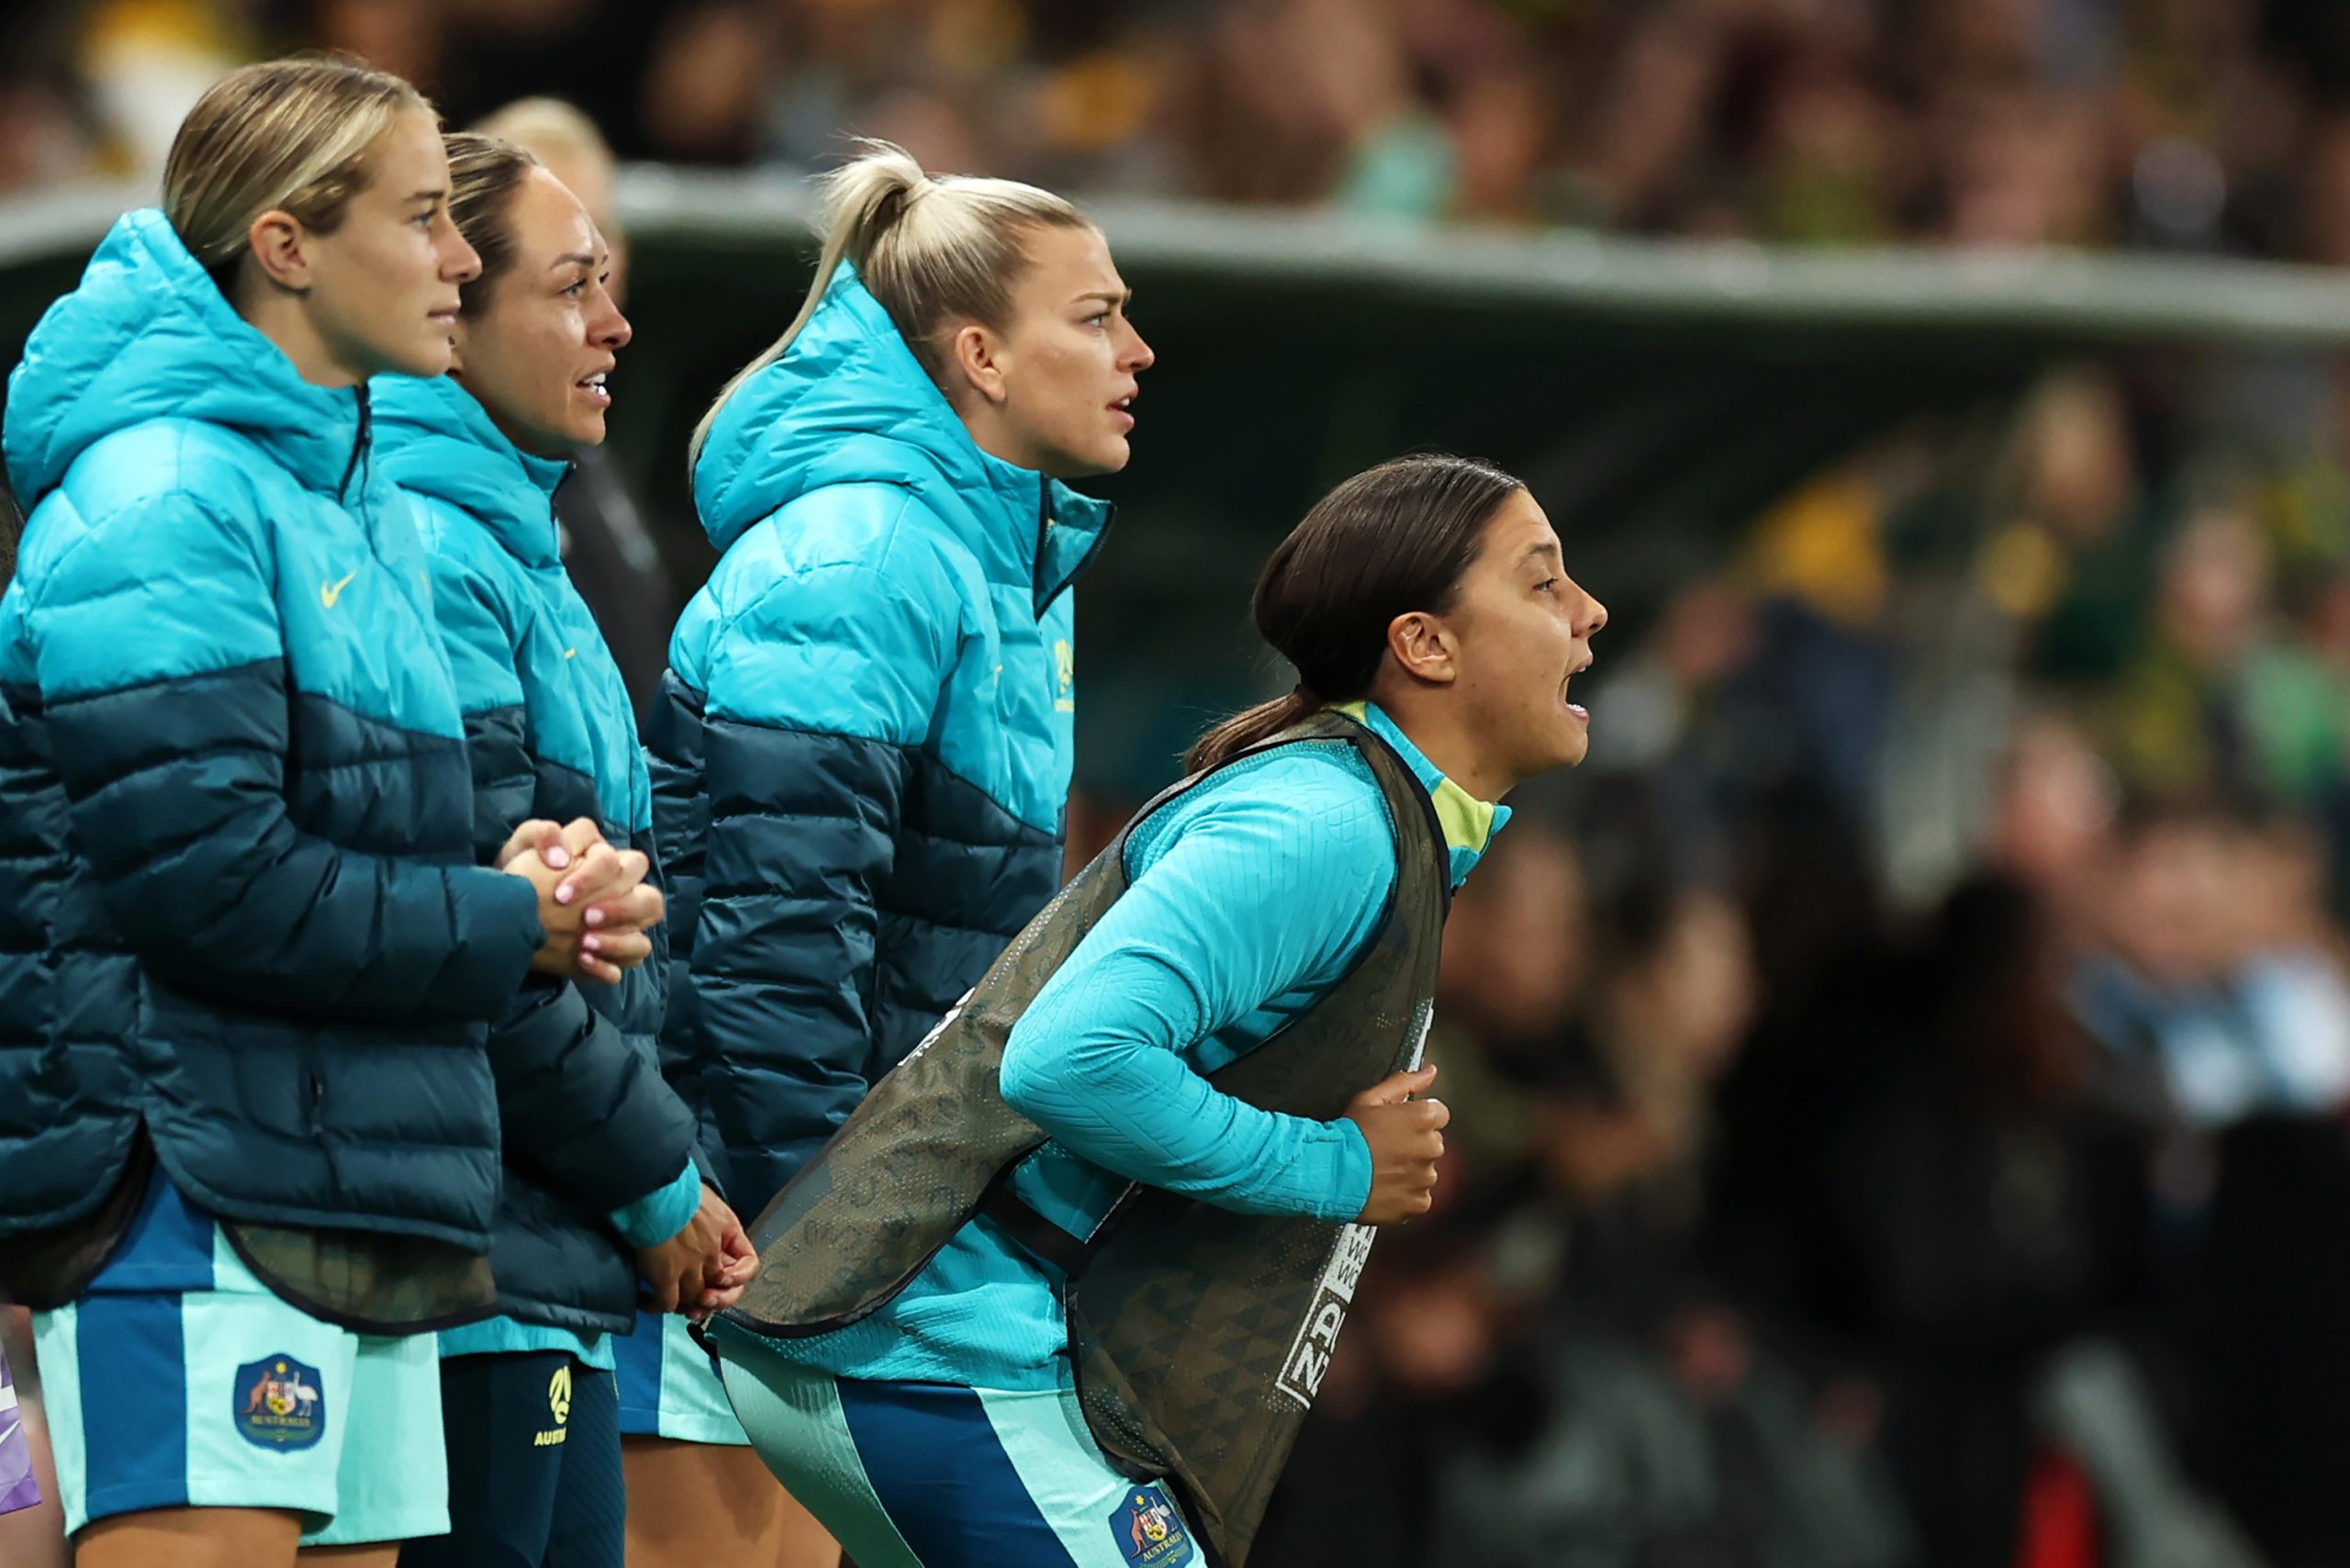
(849, 404)
(147, 335)
(434, 439)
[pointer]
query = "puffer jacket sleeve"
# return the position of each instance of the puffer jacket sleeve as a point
(161, 659)
(582, 1105)
(586, 1110)
(480, 632)
(815, 699)
(673, 756)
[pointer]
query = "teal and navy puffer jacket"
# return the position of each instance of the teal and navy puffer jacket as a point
(238, 899)
(591, 1126)
(862, 748)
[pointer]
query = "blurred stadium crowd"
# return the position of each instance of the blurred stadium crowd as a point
(2184, 124)
(1899, 1088)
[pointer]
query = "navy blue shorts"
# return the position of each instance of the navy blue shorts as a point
(535, 1465)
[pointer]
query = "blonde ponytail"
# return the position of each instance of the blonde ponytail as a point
(931, 249)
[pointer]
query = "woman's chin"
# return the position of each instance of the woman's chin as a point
(1108, 457)
(427, 358)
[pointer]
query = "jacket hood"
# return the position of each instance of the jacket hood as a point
(849, 404)
(434, 439)
(147, 335)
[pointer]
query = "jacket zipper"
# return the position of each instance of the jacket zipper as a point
(358, 446)
(1036, 594)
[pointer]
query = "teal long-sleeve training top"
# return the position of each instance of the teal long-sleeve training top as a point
(1248, 899)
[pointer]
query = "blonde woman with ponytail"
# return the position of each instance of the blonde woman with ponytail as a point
(249, 1136)
(861, 750)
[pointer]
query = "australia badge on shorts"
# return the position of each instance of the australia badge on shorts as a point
(1150, 1532)
(279, 1404)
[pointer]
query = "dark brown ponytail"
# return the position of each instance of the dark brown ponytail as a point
(483, 174)
(1387, 541)
(1250, 725)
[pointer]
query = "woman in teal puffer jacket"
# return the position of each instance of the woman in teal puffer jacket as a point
(248, 1142)
(862, 746)
(601, 1181)
(551, 732)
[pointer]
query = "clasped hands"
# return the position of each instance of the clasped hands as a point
(596, 909)
(593, 900)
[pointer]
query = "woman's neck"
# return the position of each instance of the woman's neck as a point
(993, 441)
(279, 316)
(528, 442)
(993, 434)
(1448, 743)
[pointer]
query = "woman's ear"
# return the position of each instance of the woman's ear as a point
(1424, 648)
(279, 246)
(973, 360)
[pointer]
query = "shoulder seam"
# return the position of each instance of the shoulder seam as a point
(907, 500)
(36, 594)
(873, 570)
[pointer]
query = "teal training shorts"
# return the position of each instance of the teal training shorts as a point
(667, 1387)
(932, 1475)
(229, 1398)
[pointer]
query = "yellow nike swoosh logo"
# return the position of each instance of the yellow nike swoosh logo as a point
(570, 653)
(330, 592)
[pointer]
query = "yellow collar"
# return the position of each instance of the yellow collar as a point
(1468, 822)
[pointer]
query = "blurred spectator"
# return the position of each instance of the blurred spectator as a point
(2177, 718)
(2054, 810)
(1517, 956)
(2297, 690)
(2075, 562)
(1969, 1211)
(146, 61)
(408, 37)
(48, 133)
(702, 97)
(2217, 989)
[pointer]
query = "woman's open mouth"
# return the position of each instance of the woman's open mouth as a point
(1576, 710)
